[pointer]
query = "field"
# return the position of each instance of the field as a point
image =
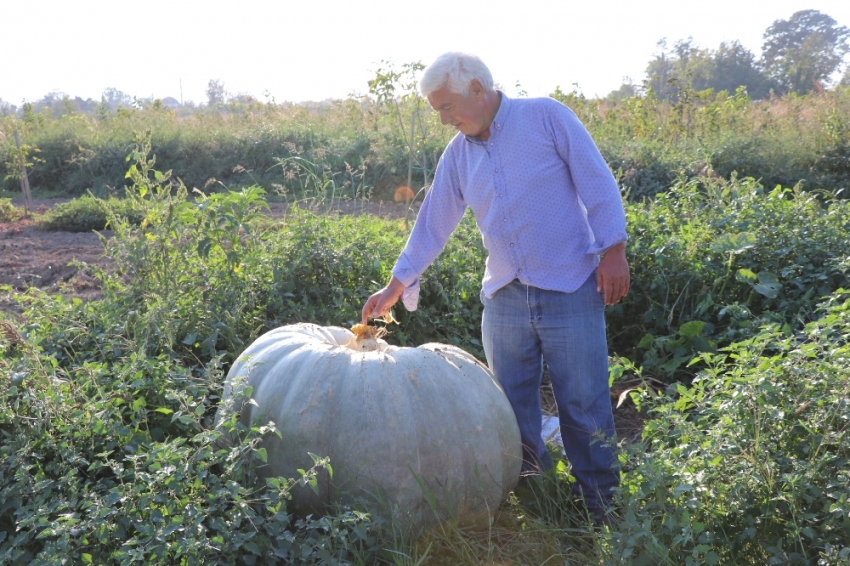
(731, 351)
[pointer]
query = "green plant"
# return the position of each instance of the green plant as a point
(88, 213)
(9, 212)
(190, 267)
(710, 257)
(749, 464)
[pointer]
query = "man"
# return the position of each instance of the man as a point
(552, 221)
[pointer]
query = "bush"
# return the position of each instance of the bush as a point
(709, 257)
(9, 212)
(325, 267)
(88, 213)
(749, 465)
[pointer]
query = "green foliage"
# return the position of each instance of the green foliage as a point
(802, 52)
(9, 212)
(710, 258)
(113, 460)
(326, 266)
(748, 465)
(728, 68)
(190, 268)
(88, 213)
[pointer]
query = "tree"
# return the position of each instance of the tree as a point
(627, 90)
(215, 92)
(845, 80)
(114, 98)
(733, 66)
(689, 67)
(802, 52)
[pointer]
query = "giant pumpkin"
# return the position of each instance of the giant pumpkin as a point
(408, 429)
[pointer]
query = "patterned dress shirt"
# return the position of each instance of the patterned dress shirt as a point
(544, 200)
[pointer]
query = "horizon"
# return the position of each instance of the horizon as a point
(298, 53)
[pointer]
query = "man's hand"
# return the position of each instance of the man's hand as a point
(381, 302)
(612, 275)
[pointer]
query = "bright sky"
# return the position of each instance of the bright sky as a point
(317, 49)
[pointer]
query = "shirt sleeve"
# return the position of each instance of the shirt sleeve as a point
(592, 178)
(439, 215)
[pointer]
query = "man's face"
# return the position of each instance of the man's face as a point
(465, 113)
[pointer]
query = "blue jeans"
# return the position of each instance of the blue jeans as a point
(522, 326)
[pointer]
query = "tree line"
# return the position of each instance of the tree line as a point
(799, 55)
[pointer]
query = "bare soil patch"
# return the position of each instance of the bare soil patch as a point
(30, 257)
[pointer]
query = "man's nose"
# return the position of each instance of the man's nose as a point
(444, 117)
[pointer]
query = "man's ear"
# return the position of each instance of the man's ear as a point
(475, 89)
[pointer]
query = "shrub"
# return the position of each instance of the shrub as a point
(9, 212)
(709, 257)
(88, 213)
(748, 465)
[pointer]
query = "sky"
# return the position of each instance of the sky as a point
(299, 50)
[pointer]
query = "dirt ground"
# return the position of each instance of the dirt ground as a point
(33, 258)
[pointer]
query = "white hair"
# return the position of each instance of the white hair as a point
(456, 71)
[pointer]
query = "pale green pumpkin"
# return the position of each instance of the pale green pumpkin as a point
(392, 421)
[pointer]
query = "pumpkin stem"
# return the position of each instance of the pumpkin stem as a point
(367, 337)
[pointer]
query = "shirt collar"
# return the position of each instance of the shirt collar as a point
(498, 120)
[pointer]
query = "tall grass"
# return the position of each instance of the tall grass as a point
(361, 144)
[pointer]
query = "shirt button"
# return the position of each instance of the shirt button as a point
(506, 219)
(519, 270)
(491, 143)
(501, 194)
(512, 245)
(496, 170)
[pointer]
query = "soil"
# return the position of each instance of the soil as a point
(57, 263)
(53, 261)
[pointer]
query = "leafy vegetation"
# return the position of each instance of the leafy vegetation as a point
(109, 454)
(739, 308)
(749, 464)
(369, 147)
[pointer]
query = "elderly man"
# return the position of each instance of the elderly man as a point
(552, 221)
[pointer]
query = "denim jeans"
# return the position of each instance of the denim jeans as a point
(522, 326)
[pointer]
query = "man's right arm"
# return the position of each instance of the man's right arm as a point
(438, 217)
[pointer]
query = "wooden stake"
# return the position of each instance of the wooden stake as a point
(25, 182)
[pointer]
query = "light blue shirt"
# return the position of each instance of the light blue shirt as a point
(544, 200)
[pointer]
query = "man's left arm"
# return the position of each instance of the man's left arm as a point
(600, 195)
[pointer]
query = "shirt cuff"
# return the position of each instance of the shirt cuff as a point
(410, 296)
(600, 249)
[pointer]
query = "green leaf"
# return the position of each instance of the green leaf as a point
(734, 243)
(692, 328)
(163, 410)
(769, 284)
(673, 364)
(746, 276)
